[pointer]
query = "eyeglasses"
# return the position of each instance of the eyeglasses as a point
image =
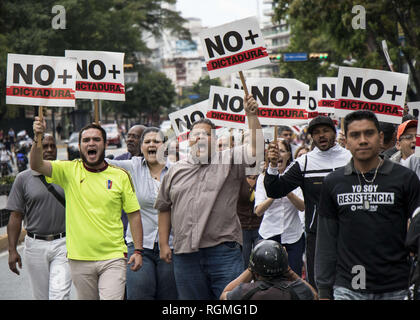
(252, 177)
(408, 137)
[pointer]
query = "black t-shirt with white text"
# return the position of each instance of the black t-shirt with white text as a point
(362, 229)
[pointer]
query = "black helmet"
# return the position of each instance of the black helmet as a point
(320, 120)
(268, 259)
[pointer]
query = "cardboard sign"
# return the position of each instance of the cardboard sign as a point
(313, 104)
(382, 92)
(327, 90)
(413, 108)
(100, 75)
(40, 80)
(226, 108)
(280, 101)
(234, 46)
(182, 120)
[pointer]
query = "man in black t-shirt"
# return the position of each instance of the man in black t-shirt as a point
(363, 215)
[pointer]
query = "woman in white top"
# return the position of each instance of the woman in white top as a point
(155, 279)
(281, 221)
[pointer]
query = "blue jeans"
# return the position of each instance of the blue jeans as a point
(295, 254)
(203, 275)
(341, 293)
(250, 238)
(154, 280)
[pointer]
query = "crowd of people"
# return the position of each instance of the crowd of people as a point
(324, 215)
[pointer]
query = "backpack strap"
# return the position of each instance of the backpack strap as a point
(53, 191)
(260, 287)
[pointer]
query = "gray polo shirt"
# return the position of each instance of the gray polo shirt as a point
(43, 213)
(202, 199)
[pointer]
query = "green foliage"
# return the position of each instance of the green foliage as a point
(201, 88)
(102, 25)
(154, 93)
(326, 25)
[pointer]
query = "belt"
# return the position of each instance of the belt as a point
(49, 237)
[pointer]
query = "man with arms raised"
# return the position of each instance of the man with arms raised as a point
(95, 195)
(197, 199)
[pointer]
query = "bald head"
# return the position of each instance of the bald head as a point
(133, 139)
(49, 148)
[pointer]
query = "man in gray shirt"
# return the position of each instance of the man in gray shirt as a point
(45, 243)
(198, 198)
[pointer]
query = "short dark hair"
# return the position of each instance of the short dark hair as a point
(152, 129)
(205, 121)
(388, 129)
(92, 126)
(360, 115)
(284, 128)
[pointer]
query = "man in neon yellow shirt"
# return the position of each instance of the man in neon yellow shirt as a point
(95, 195)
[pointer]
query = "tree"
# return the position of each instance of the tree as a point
(103, 25)
(200, 91)
(153, 95)
(326, 25)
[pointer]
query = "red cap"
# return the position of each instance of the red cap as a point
(405, 125)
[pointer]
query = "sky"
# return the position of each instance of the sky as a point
(216, 12)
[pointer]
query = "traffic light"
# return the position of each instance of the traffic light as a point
(318, 56)
(276, 57)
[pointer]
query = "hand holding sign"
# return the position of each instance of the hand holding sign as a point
(39, 126)
(250, 105)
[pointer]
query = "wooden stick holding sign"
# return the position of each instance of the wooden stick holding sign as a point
(41, 118)
(96, 110)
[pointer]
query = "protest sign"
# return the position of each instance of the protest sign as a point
(226, 108)
(382, 92)
(100, 74)
(413, 108)
(182, 120)
(280, 101)
(234, 46)
(327, 89)
(313, 104)
(40, 80)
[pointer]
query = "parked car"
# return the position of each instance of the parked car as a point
(73, 146)
(113, 136)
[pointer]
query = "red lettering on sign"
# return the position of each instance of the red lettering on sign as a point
(217, 115)
(238, 58)
(106, 87)
(278, 113)
(44, 93)
(379, 108)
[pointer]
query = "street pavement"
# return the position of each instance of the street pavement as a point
(17, 287)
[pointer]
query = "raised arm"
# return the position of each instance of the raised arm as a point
(257, 138)
(36, 160)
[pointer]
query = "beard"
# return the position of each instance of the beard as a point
(93, 164)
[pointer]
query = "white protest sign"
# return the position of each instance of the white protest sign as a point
(280, 101)
(413, 108)
(40, 80)
(382, 92)
(327, 90)
(233, 47)
(182, 120)
(226, 108)
(313, 104)
(100, 74)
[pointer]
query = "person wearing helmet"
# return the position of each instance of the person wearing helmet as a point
(268, 277)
